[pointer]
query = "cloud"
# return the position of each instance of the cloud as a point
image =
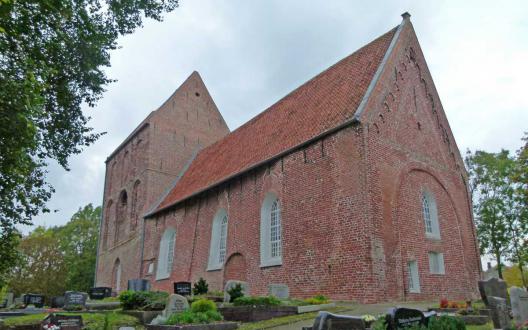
(251, 53)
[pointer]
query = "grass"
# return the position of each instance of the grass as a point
(285, 320)
(488, 326)
(92, 321)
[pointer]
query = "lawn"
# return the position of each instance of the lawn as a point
(92, 321)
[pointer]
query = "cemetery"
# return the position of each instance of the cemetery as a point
(190, 308)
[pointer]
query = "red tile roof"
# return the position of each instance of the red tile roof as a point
(324, 102)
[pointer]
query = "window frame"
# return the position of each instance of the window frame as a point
(218, 241)
(166, 255)
(271, 204)
(430, 215)
(413, 276)
(436, 263)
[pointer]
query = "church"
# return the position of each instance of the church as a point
(351, 186)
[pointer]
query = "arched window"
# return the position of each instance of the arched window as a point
(121, 210)
(270, 232)
(135, 208)
(430, 215)
(106, 223)
(117, 276)
(166, 254)
(218, 245)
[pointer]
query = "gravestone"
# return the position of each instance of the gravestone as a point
(64, 322)
(176, 304)
(3, 303)
(493, 287)
(230, 284)
(499, 312)
(280, 291)
(19, 300)
(329, 321)
(519, 304)
(99, 293)
(74, 298)
(138, 285)
(401, 318)
(182, 288)
(36, 300)
(10, 296)
(57, 302)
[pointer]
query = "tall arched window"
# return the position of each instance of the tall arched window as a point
(135, 208)
(218, 245)
(121, 211)
(430, 215)
(270, 232)
(166, 254)
(117, 275)
(106, 223)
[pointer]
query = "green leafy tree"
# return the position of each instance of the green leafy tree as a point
(9, 255)
(42, 268)
(78, 242)
(52, 59)
(492, 192)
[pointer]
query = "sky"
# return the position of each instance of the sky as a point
(252, 53)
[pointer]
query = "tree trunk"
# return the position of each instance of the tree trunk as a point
(499, 264)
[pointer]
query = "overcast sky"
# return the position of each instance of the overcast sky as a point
(252, 53)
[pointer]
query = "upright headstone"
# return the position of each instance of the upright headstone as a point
(519, 304)
(64, 322)
(138, 285)
(36, 300)
(230, 284)
(182, 288)
(280, 291)
(99, 293)
(401, 318)
(74, 298)
(10, 297)
(329, 321)
(499, 312)
(57, 302)
(493, 287)
(176, 304)
(19, 300)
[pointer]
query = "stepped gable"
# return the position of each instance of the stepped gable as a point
(324, 102)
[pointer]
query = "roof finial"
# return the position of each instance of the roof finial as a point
(406, 15)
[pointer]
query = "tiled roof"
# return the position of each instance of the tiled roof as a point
(324, 102)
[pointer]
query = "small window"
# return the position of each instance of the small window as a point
(166, 254)
(436, 263)
(218, 245)
(270, 232)
(414, 278)
(430, 216)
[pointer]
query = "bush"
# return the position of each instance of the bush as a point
(317, 300)
(445, 322)
(202, 306)
(200, 287)
(190, 317)
(257, 301)
(143, 300)
(235, 292)
(74, 308)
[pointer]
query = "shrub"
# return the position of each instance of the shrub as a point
(190, 317)
(202, 306)
(235, 292)
(317, 300)
(446, 322)
(257, 301)
(144, 300)
(200, 287)
(74, 308)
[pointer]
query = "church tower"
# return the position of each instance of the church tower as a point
(143, 168)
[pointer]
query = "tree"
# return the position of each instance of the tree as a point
(500, 215)
(492, 192)
(9, 255)
(52, 59)
(42, 268)
(78, 242)
(58, 259)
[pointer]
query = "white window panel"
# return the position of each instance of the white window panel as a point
(414, 277)
(436, 263)
(218, 244)
(271, 238)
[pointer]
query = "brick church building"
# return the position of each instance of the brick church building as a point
(351, 186)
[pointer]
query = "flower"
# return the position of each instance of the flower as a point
(369, 318)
